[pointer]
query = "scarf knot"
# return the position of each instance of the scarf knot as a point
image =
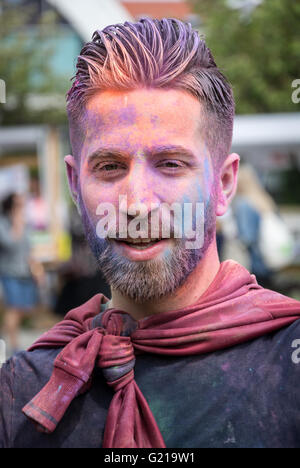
(117, 360)
(115, 322)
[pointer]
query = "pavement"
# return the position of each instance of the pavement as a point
(26, 338)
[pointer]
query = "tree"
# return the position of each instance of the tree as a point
(25, 66)
(258, 49)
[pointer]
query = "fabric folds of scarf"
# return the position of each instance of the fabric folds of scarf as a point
(233, 310)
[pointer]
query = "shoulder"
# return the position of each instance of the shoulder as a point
(29, 369)
(21, 377)
(287, 342)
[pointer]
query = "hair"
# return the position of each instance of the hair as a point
(7, 204)
(152, 53)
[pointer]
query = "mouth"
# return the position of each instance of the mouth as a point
(139, 244)
(141, 249)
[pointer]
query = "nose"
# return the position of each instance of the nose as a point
(139, 191)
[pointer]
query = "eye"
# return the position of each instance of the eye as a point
(108, 167)
(171, 165)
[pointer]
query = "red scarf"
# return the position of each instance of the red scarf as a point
(234, 309)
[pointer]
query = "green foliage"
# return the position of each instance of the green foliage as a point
(26, 68)
(259, 52)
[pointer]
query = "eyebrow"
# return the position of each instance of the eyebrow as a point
(171, 150)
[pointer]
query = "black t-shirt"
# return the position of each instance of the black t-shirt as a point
(244, 396)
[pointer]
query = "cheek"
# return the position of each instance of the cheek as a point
(90, 198)
(203, 193)
(197, 192)
(90, 195)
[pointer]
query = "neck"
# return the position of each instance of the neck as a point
(195, 285)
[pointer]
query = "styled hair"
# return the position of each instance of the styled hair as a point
(152, 53)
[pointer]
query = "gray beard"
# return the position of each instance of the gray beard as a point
(153, 279)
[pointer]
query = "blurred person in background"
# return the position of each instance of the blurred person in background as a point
(260, 228)
(249, 206)
(19, 273)
(37, 215)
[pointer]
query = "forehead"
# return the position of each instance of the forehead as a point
(143, 117)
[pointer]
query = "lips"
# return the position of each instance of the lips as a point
(140, 249)
(140, 244)
(139, 241)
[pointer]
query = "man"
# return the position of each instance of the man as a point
(187, 352)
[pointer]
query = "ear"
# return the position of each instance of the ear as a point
(227, 183)
(72, 174)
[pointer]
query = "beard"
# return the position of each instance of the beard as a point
(153, 279)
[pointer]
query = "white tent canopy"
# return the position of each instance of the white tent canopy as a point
(86, 16)
(267, 129)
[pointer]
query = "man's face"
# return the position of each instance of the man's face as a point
(147, 146)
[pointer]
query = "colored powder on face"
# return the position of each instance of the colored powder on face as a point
(128, 116)
(167, 253)
(208, 180)
(154, 120)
